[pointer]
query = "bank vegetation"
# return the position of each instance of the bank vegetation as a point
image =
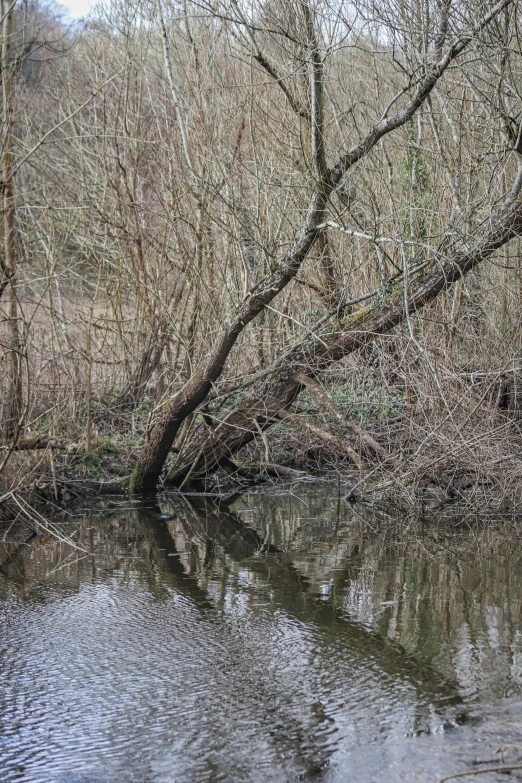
(254, 239)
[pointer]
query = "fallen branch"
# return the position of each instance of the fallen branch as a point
(37, 522)
(255, 472)
(40, 442)
(315, 389)
(333, 440)
(115, 487)
(282, 471)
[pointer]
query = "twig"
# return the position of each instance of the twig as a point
(36, 518)
(470, 773)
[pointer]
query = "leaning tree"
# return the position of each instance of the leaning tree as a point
(304, 50)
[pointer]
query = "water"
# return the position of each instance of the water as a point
(291, 637)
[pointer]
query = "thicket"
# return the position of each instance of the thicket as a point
(238, 236)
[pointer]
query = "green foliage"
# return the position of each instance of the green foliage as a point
(94, 463)
(366, 403)
(384, 293)
(135, 441)
(98, 458)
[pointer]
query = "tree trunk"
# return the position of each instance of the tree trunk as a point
(173, 413)
(14, 401)
(336, 341)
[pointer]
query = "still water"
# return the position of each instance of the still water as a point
(287, 637)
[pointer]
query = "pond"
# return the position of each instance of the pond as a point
(289, 636)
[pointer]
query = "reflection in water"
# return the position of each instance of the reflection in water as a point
(287, 638)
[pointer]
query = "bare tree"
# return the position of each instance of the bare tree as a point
(328, 178)
(218, 203)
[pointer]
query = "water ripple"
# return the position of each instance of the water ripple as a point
(140, 674)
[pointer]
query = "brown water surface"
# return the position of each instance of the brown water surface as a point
(289, 637)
